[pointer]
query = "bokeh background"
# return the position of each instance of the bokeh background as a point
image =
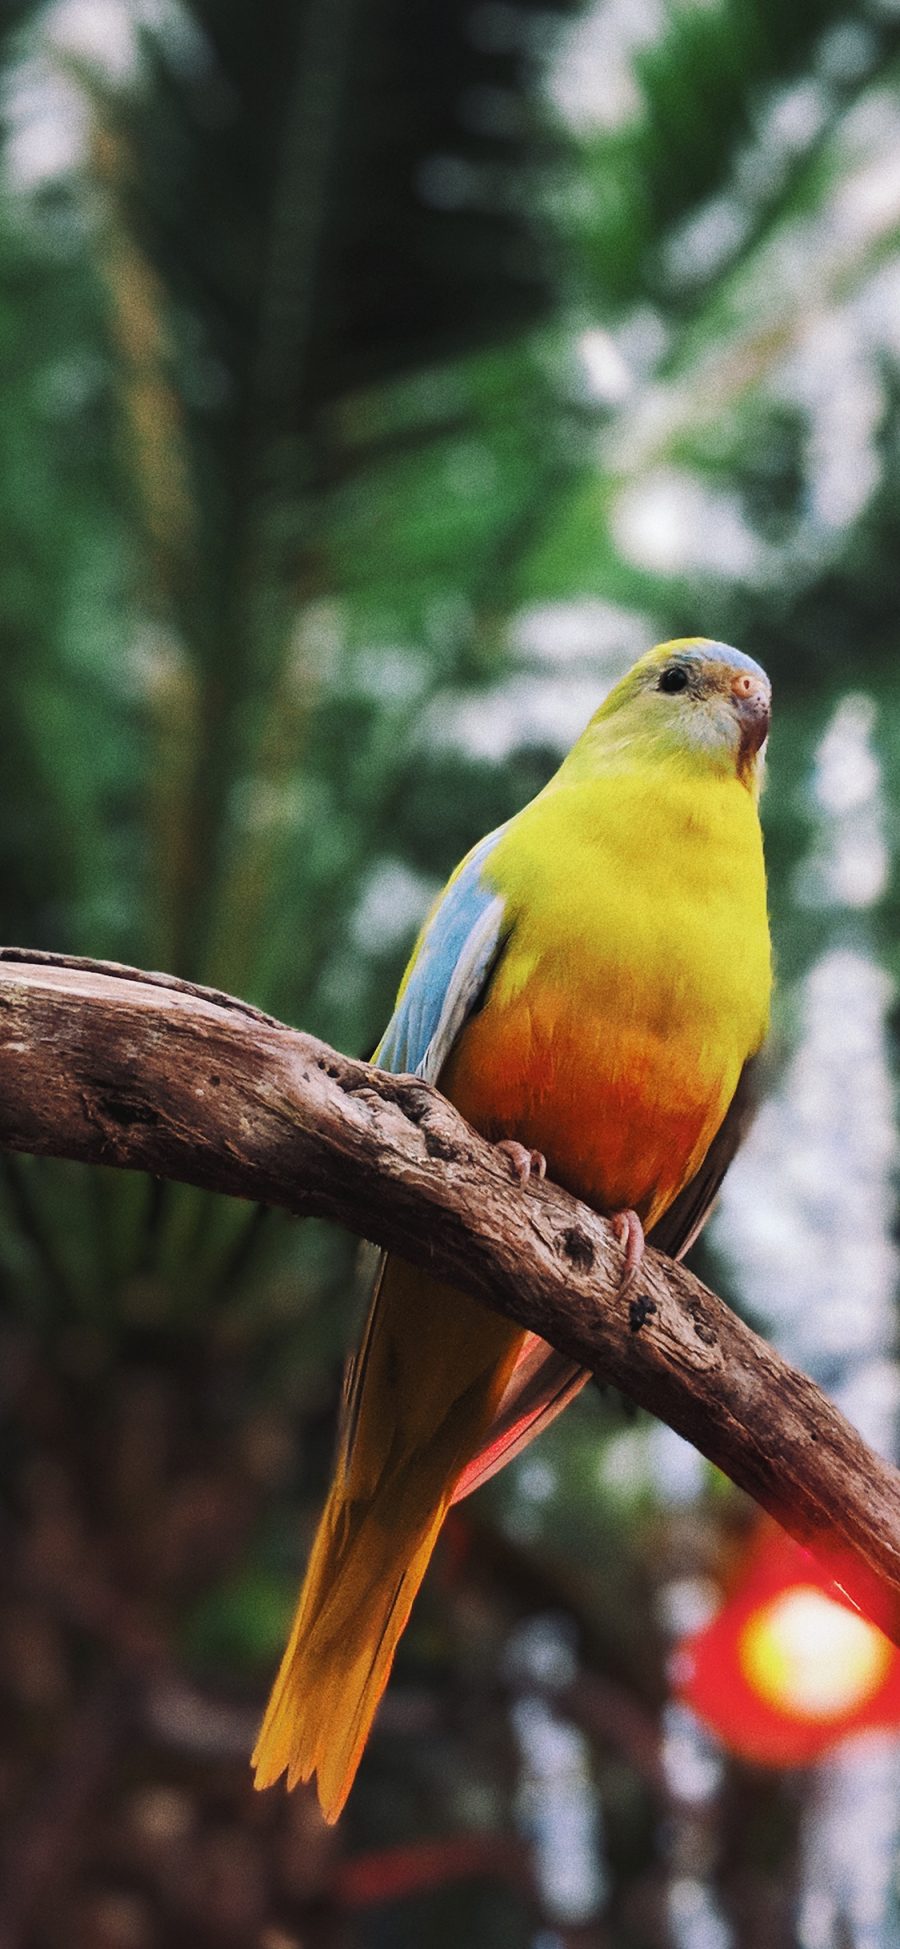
(376, 380)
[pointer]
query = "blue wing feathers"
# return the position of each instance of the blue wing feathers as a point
(455, 953)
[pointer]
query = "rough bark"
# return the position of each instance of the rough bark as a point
(113, 1066)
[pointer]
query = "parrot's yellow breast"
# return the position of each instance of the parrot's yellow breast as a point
(633, 988)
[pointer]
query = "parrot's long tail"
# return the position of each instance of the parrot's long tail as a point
(432, 1369)
(358, 1593)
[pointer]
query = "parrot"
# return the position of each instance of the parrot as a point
(592, 992)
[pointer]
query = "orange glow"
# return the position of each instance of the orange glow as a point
(807, 1655)
(788, 1666)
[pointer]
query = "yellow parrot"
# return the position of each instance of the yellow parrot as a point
(590, 990)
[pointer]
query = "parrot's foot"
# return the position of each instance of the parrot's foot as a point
(524, 1163)
(630, 1233)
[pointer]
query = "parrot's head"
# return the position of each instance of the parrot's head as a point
(694, 700)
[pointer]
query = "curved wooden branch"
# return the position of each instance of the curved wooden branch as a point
(113, 1066)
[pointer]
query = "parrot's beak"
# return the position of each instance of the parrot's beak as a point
(753, 702)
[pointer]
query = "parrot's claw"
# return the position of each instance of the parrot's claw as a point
(524, 1163)
(630, 1234)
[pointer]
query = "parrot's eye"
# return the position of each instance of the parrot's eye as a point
(673, 679)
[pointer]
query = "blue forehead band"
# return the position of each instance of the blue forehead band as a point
(709, 652)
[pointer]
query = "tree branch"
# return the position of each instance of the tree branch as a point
(112, 1066)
